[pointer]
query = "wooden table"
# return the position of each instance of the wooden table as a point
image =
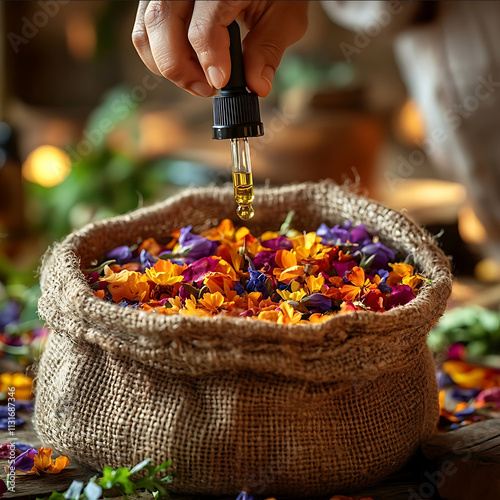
(461, 465)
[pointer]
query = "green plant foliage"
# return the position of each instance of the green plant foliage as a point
(475, 327)
(122, 481)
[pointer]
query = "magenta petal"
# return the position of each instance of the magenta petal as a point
(265, 257)
(3, 488)
(196, 271)
(400, 295)
(4, 451)
(491, 396)
(343, 267)
(457, 351)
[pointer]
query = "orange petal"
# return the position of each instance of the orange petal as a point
(60, 463)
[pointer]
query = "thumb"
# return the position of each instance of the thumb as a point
(281, 25)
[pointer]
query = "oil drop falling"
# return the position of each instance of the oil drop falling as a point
(243, 195)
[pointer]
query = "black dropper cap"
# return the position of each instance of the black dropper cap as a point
(236, 110)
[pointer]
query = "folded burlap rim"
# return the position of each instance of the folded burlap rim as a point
(372, 342)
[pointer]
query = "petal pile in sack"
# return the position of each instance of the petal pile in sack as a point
(243, 404)
(287, 278)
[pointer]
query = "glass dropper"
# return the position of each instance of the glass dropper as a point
(237, 117)
(242, 178)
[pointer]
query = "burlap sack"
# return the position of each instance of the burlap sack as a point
(237, 403)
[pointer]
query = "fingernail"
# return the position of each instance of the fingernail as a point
(268, 75)
(202, 89)
(216, 77)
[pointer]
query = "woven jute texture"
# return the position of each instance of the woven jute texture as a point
(238, 403)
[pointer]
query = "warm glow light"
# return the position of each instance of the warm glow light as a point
(429, 201)
(160, 134)
(47, 166)
(487, 271)
(411, 123)
(81, 36)
(470, 228)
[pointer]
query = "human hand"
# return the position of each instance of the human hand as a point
(188, 43)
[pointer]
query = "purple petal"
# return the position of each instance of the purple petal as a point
(265, 257)
(464, 394)
(147, 260)
(195, 246)
(18, 406)
(22, 446)
(257, 283)
(279, 243)
(4, 422)
(122, 255)
(466, 412)
(25, 460)
(12, 340)
(10, 313)
(382, 254)
(244, 496)
(360, 235)
(382, 286)
(317, 301)
(333, 236)
(443, 379)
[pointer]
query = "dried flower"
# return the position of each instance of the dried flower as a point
(286, 278)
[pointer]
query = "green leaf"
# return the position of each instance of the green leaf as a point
(55, 495)
(100, 267)
(140, 466)
(286, 226)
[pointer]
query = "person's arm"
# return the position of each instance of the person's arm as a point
(187, 41)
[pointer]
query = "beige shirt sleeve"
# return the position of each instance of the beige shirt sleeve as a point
(451, 67)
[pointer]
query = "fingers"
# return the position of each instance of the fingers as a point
(140, 38)
(188, 43)
(209, 37)
(281, 25)
(166, 50)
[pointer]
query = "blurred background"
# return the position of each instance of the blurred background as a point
(87, 132)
